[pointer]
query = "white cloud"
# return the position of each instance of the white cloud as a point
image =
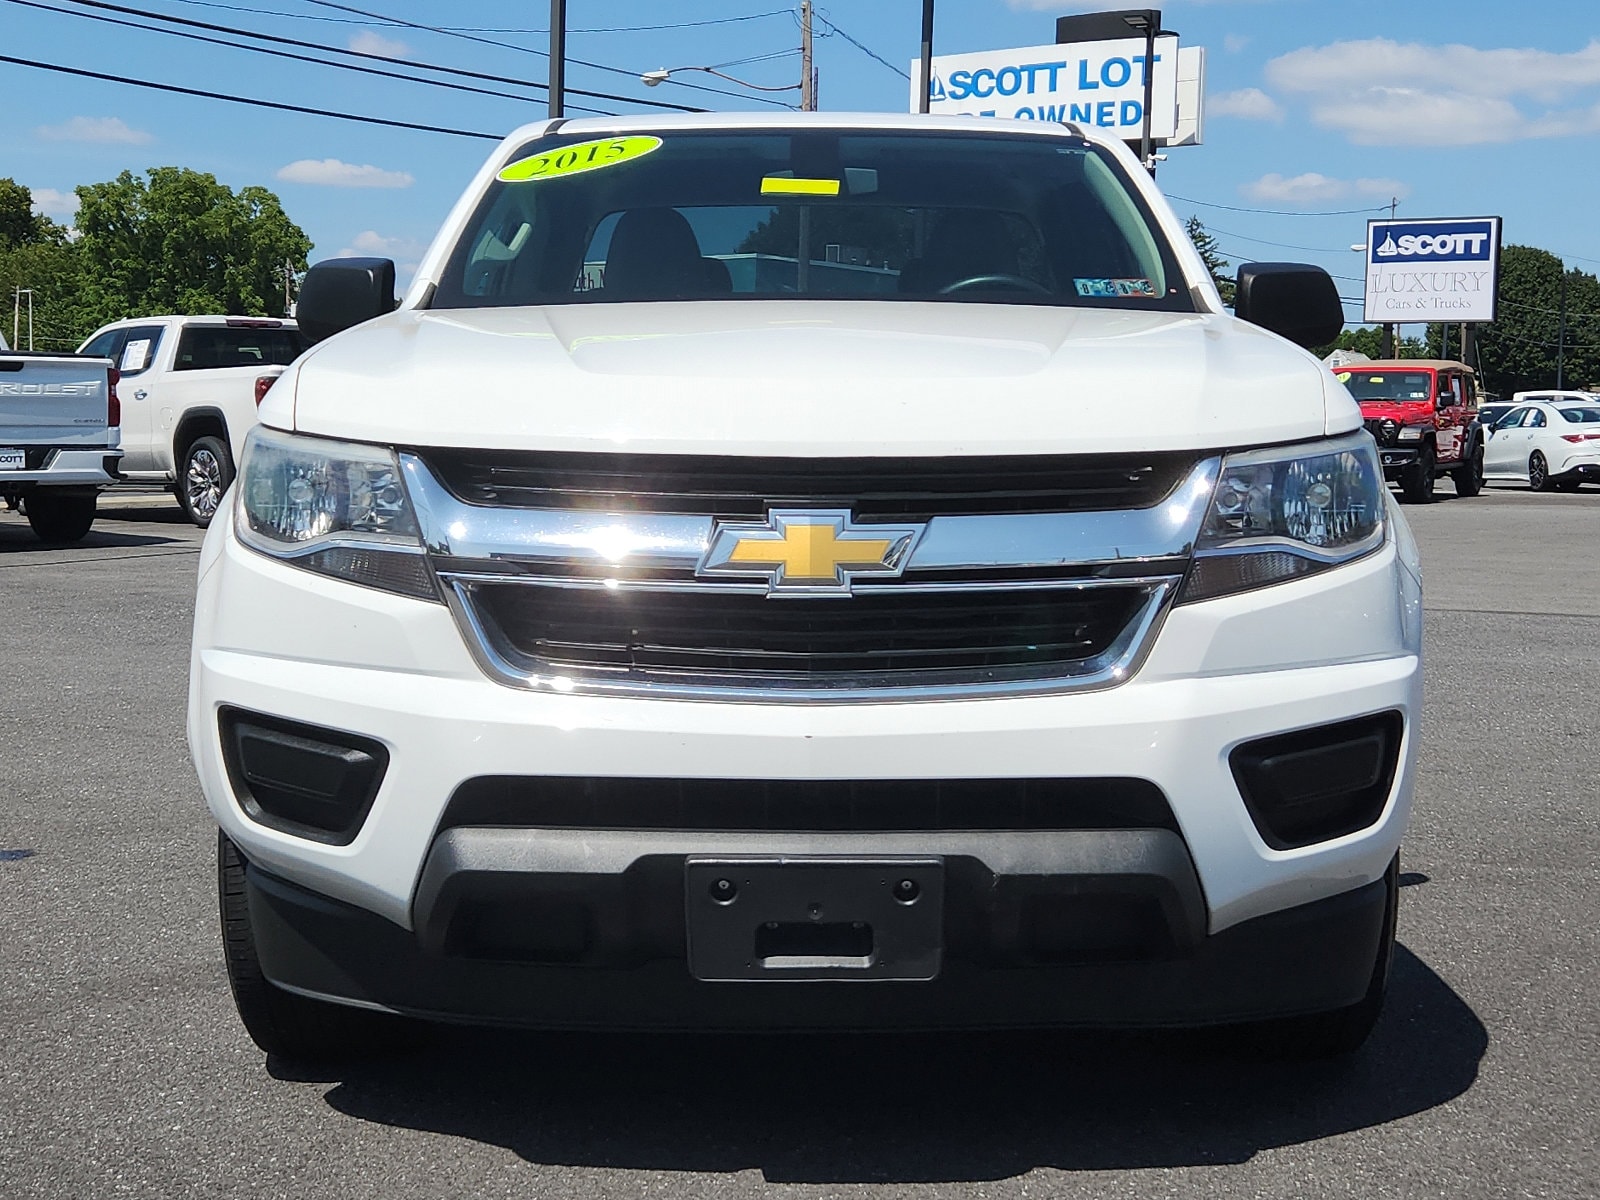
(58, 206)
(1379, 92)
(369, 243)
(1251, 103)
(367, 42)
(330, 172)
(1235, 42)
(94, 129)
(1312, 188)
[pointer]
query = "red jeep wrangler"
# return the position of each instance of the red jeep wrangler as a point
(1423, 413)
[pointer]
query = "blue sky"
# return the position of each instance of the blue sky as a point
(1455, 107)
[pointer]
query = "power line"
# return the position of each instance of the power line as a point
(867, 50)
(200, 37)
(296, 108)
(287, 41)
(270, 12)
(1281, 245)
(472, 37)
(1274, 212)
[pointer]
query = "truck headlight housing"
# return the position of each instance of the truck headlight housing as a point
(1410, 433)
(336, 508)
(1287, 512)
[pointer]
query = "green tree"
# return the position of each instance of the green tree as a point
(37, 258)
(183, 243)
(1211, 255)
(1547, 326)
(1368, 340)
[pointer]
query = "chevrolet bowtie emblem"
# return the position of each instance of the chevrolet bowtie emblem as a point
(807, 552)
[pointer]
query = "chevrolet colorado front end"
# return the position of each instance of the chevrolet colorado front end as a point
(808, 573)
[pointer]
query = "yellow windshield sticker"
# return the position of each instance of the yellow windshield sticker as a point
(778, 185)
(579, 158)
(1343, 376)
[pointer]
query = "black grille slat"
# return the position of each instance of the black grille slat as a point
(800, 805)
(870, 634)
(874, 488)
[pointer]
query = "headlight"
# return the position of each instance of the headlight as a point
(1411, 433)
(336, 508)
(1283, 513)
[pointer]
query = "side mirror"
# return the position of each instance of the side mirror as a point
(1293, 300)
(342, 292)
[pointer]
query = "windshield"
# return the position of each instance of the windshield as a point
(1388, 385)
(812, 214)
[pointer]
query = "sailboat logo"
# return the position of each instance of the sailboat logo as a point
(935, 87)
(1388, 249)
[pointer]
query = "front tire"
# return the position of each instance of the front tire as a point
(1417, 480)
(203, 477)
(60, 518)
(1469, 475)
(1539, 473)
(282, 1023)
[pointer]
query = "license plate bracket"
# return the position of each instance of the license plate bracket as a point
(789, 918)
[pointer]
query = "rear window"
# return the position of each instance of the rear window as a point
(813, 214)
(204, 347)
(1586, 415)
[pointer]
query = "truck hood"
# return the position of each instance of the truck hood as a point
(810, 378)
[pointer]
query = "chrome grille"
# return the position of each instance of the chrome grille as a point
(1007, 588)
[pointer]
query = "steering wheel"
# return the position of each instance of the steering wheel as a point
(1020, 282)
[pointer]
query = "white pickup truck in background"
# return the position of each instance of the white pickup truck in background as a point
(58, 438)
(191, 386)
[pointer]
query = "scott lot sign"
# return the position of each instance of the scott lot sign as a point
(1432, 270)
(1099, 84)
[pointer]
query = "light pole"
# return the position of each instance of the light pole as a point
(16, 315)
(661, 75)
(925, 62)
(1150, 22)
(558, 55)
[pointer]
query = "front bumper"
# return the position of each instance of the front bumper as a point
(275, 640)
(1311, 958)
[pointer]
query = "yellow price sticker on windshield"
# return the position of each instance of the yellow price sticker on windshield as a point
(578, 159)
(786, 185)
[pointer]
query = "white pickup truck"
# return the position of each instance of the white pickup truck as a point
(190, 390)
(809, 571)
(59, 417)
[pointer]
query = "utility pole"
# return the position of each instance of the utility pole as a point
(1387, 347)
(558, 55)
(1561, 333)
(808, 75)
(808, 103)
(925, 68)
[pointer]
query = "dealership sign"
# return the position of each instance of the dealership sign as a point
(1432, 270)
(1092, 84)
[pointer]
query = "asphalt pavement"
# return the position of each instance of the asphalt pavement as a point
(124, 1071)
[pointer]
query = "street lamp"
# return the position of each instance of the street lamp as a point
(658, 77)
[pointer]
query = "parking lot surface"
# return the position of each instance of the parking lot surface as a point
(126, 1073)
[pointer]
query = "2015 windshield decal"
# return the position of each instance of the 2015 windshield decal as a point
(579, 158)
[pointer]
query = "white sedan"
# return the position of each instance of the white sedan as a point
(1550, 446)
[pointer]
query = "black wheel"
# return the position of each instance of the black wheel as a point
(60, 518)
(203, 477)
(1416, 481)
(1342, 1031)
(1539, 473)
(1469, 475)
(281, 1022)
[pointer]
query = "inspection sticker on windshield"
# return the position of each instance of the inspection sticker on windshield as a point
(787, 185)
(1116, 287)
(579, 158)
